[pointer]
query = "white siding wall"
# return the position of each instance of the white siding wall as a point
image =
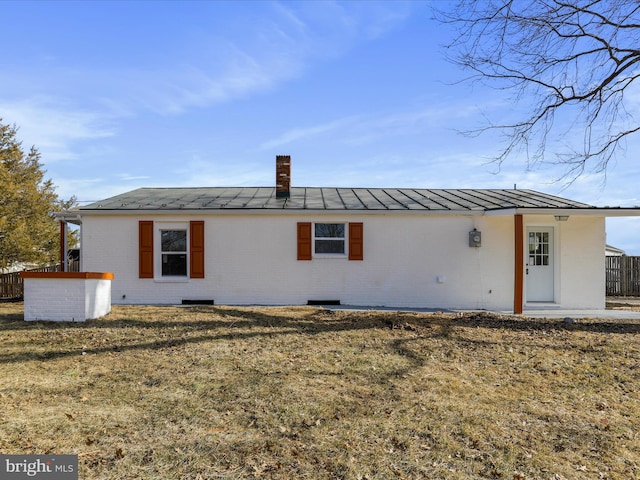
(66, 299)
(409, 260)
(581, 268)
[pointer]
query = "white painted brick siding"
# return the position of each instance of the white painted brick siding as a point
(66, 299)
(251, 259)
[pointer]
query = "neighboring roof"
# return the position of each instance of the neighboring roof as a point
(611, 250)
(330, 199)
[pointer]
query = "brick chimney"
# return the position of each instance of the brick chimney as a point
(283, 176)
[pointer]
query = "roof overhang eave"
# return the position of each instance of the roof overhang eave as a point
(72, 216)
(594, 212)
(276, 211)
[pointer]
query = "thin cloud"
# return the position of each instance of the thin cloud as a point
(278, 48)
(361, 129)
(53, 128)
(219, 62)
(306, 133)
(86, 190)
(125, 177)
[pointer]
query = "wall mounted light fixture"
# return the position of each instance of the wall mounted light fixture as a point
(562, 218)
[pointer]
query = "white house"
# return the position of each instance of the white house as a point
(611, 251)
(497, 249)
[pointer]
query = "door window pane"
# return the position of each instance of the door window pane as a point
(539, 248)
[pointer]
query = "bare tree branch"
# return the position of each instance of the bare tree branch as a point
(569, 63)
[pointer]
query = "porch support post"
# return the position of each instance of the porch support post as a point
(518, 264)
(64, 261)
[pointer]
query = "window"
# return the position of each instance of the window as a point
(538, 248)
(171, 251)
(173, 246)
(329, 238)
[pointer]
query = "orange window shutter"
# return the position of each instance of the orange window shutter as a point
(145, 249)
(304, 241)
(356, 239)
(196, 249)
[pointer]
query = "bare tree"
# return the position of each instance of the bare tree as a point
(570, 64)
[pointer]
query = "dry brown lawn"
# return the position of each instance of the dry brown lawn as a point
(228, 392)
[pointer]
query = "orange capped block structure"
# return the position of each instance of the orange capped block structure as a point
(66, 296)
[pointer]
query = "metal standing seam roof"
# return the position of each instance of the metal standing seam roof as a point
(331, 199)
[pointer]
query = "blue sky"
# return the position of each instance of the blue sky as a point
(121, 95)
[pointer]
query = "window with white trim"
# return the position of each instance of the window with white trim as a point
(173, 252)
(329, 238)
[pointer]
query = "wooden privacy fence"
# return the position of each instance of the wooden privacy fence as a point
(623, 276)
(11, 286)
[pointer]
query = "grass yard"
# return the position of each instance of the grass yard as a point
(228, 392)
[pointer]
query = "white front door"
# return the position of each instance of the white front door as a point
(539, 265)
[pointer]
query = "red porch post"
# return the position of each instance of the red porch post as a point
(518, 264)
